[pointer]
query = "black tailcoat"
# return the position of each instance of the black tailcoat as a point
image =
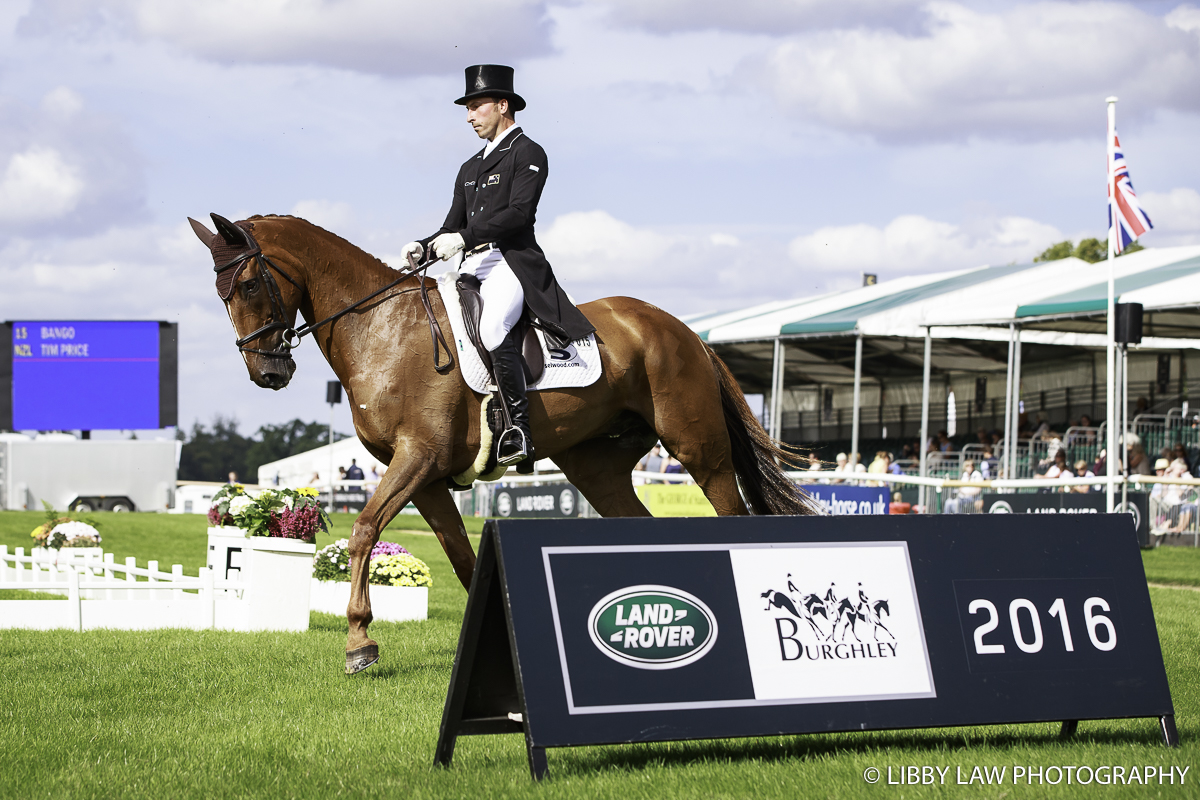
(495, 200)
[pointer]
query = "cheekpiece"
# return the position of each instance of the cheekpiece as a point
(491, 80)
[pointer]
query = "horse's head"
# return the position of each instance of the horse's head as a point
(262, 313)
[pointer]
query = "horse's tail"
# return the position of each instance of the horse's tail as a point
(758, 459)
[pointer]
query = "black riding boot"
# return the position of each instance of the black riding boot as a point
(516, 445)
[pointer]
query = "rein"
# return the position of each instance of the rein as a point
(292, 336)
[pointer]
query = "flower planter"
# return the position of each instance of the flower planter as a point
(388, 603)
(275, 573)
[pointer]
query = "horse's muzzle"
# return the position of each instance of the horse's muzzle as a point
(277, 374)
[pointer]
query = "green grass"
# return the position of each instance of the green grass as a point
(177, 714)
(182, 538)
(1179, 565)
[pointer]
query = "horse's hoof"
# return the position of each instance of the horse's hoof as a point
(360, 659)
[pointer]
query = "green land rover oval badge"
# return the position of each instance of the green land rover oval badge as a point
(652, 627)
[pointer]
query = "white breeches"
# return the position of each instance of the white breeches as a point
(503, 298)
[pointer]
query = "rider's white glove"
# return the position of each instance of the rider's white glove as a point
(447, 245)
(415, 249)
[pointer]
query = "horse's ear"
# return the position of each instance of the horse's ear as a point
(232, 234)
(203, 233)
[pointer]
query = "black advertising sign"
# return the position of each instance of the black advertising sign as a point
(549, 501)
(1137, 506)
(623, 630)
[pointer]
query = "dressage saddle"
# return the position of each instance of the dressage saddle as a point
(472, 308)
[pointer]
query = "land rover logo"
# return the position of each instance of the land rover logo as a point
(1000, 507)
(652, 627)
(504, 504)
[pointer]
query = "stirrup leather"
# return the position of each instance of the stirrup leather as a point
(515, 457)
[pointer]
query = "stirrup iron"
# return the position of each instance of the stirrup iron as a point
(516, 457)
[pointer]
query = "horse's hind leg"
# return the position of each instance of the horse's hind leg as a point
(600, 469)
(683, 402)
(692, 427)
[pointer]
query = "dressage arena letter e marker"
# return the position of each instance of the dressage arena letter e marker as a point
(609, 631)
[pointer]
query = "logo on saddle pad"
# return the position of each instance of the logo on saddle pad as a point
(652, 627)
(493, 179)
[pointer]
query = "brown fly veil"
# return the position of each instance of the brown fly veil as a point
(231, 248)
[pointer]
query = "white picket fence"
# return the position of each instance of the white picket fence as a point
(103, 594)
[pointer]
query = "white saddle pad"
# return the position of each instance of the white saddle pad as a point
(574, 367)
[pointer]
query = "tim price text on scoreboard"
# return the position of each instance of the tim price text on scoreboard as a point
(55, 341)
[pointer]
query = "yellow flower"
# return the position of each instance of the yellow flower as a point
(307, 491)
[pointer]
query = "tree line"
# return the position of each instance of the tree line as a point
(210, 454)
(1089, 250)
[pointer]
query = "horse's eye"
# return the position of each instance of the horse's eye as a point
(250, 286)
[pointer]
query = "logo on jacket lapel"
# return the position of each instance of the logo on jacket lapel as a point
(494, 180)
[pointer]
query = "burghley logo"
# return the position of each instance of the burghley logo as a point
(652, 627)
(816, 626)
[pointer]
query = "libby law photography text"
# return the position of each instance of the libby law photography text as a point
(1017, 775)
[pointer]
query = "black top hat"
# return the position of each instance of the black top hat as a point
(491, 80)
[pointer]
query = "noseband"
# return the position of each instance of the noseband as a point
(292, 336)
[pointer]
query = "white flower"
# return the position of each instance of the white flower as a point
(288, 502)
(239, 504)
(73, 530)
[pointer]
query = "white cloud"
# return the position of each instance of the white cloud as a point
(378, 36)
(1175, 211)
(1030, 71)
(38, 185)
(763, 16)
(334, 216)
(1176, 217)
(62, 103)
(912, 243)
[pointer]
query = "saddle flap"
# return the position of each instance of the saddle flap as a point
(472, 308)
(531, 350)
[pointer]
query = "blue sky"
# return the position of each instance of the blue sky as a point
(703, 155)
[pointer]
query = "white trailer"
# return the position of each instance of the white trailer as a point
(87, 474)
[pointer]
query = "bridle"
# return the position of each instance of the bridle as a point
(292, 336)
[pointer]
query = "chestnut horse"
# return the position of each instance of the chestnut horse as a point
(659, 382)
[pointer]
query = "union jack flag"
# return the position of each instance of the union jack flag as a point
(1132, 221)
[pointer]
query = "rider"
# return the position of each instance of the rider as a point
(491, 221)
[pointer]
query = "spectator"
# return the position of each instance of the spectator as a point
(1059, 468)
(354, 473)
(1139, 463)
(232, 477)
(987, 464)
(1180, 453)
(654, 461)
(968, 499)
(943, 442)
(893, 467)
(841, 466)
(898, 506)
(673, 466)
(1082, 471)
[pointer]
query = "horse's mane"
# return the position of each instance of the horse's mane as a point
(351, 245)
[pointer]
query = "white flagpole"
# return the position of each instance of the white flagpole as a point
(1110, 375)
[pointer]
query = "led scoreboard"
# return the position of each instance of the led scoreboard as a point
(88, 375)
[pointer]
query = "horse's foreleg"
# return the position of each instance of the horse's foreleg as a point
(393, 493)
(436, 505)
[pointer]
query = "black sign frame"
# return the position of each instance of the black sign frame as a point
(509, 676)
